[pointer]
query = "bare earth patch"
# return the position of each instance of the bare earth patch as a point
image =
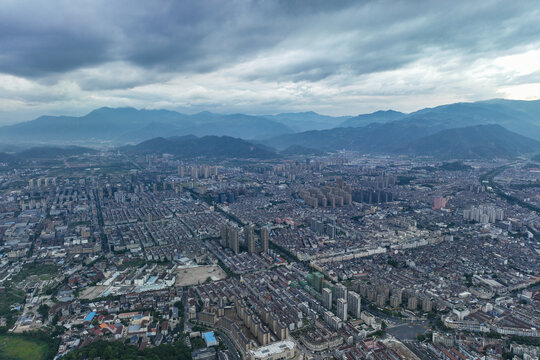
(199, 274)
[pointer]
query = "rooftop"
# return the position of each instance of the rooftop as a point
(273, 349)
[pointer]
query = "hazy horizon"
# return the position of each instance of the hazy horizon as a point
(188, 112)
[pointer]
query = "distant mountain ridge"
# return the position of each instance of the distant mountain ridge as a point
(128, 125)
(477, 141)
(377, 132)
(308, 120)
(522, 117)
(384, 136)
(380, 116)
(207, 146)
(374, 138)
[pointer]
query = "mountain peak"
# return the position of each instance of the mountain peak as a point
(381, 116)
(106, 109)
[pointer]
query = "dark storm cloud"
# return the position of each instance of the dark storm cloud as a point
(202, 36)
(166, 35)
(31, 51)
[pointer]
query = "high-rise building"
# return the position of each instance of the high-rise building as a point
(232, 236)
(340, 291)
(395, 301)
(412, 303)
(426, 305)
(484, 214)
(265, 238)
(317, 281)
(327, 298)
(380, 300)
(224, 236)
(342, 309)
(194, 172)
(354, 303)
(250, 239)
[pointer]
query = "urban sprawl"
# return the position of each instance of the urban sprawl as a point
(342, 256)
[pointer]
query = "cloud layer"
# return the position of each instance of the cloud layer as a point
(336, 57)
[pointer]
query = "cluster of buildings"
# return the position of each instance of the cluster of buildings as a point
(331, 195)
(332, 256)
(484, 214)
(230, 239)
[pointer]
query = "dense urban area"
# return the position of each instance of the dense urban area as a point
(343, 256)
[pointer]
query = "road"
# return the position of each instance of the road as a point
(104, 242)
(229, 344)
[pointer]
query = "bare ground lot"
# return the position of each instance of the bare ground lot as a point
(184, 277)
(198, 275)
(92, 292)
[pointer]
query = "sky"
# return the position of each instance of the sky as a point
(263, 57)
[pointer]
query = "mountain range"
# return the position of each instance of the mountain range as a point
(128, 125)
(430, 131)
(478, 141)
(522, 117)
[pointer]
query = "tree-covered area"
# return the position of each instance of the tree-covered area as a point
(455, 166)
(525, 340)
(43, 310)
(117, 350)
(35, 269)
(10, 296)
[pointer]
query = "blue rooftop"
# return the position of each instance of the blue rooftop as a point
(210, 338)
(90, 316)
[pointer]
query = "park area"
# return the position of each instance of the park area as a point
(22, 348)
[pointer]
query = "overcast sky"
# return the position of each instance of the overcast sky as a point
(262, 57)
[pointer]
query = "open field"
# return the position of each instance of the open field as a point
(199, 274)
(92, 292)
(184, 277)
(18, 348)
(41, 271)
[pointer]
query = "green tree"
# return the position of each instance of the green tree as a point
(43, 310)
